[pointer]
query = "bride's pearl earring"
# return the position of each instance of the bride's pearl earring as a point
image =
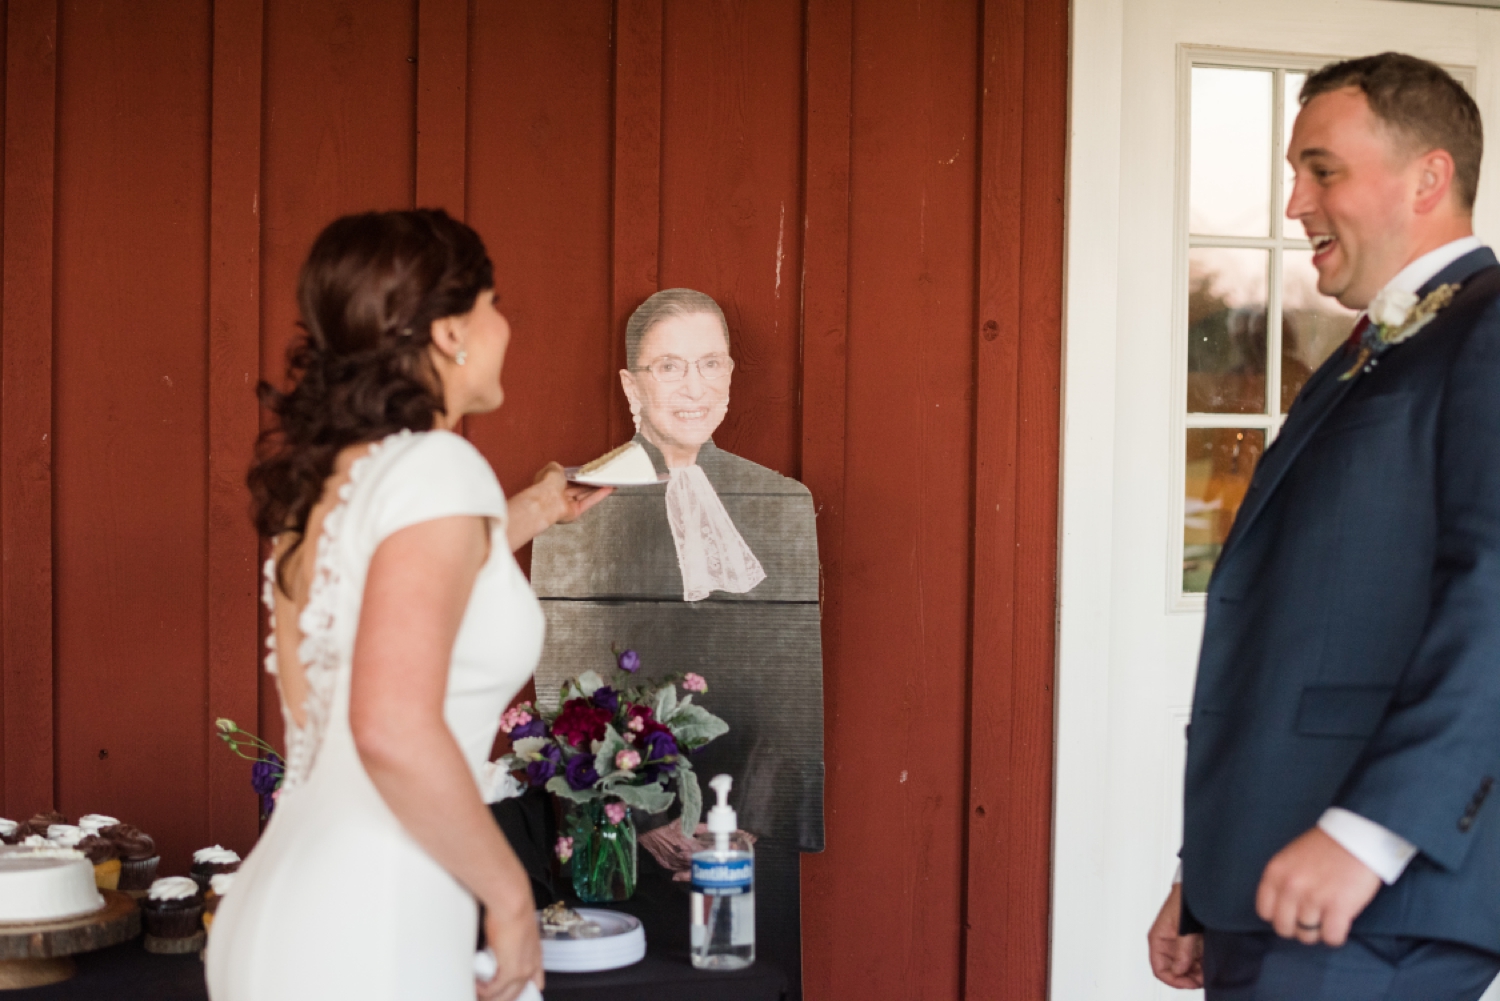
(462, 358)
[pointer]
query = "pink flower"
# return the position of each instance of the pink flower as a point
(636, 724)
(615, 812)
(694, 682)
(627, 760)
(513, 718)
(564, 849)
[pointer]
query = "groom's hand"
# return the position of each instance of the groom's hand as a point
(1314, 889)
(1176, 959)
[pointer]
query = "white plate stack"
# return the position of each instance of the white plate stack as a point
(620, 942)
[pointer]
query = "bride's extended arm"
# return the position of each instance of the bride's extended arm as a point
(548, 501)
(415, 597)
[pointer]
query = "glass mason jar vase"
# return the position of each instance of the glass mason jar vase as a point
(603, 859)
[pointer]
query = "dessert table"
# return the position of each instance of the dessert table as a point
(128, 972)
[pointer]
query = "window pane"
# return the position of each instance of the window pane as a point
(1219, 464)
(1230, 192)
(1312, 325)
(1227, 331)
(1291, 87)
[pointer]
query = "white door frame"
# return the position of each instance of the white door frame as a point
(1104, 891)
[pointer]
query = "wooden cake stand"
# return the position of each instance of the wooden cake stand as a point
(32, 955)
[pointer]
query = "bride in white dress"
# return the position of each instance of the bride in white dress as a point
(401, 628)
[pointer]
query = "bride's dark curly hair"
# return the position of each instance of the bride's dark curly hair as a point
(368, 295)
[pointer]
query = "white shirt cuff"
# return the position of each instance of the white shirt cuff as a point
(1177, 878)
(1384, 851)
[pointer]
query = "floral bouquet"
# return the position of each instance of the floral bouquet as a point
(609, 749)
(268, 769)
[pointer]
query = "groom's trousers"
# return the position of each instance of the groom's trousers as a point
(1267, 967)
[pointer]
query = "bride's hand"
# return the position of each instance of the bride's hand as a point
(517, 945)
(566, 501)
(550, 500)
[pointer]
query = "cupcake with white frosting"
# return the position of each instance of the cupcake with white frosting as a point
(173, 908)
(65, 835)
(8, 829)
(218, 885)
(93, 823)
(210, 862)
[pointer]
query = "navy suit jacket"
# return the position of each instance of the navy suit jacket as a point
(1351, 653)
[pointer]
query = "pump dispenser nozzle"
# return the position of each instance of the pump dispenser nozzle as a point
(722, 820)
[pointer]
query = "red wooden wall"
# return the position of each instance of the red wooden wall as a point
(871, 188)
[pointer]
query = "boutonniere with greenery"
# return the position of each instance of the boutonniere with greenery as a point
(1396, 316)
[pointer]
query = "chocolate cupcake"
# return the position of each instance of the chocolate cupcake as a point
(8, 829)
(105, 858)
(173, 908)
(138, 858)
(39, 823)
(208, 862)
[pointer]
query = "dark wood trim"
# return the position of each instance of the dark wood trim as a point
(442, 105)
(1022, 128)
(26, 404)
(233, 627)
(637, 175)
(827, 148)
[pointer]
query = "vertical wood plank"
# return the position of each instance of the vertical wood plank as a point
(824, 330)
(233, 626)
(442, 104)
(1018, 351)
(637, 175)
(26, 404)
(1038, 454)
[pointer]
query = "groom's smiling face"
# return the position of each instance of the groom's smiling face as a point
(1353, 194)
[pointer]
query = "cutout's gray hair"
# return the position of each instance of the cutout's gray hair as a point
(661, 305)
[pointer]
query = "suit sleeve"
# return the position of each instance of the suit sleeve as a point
(1432, 761)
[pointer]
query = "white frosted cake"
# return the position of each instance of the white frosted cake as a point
(45, 884)
(627, 465)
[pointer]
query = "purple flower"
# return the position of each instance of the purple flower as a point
(265, 774)
(630, 661)
(580, 772)
(606, 697)
(265, 779)
(659, 745)
(538, 772)
(531, 728)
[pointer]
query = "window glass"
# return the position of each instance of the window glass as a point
(1230, 191)
(1219, 464)
(1227, 330)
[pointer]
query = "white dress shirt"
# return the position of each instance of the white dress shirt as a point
(1384, 851)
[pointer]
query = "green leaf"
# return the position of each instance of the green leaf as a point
(692, 797)
(589, 682)
(607, 748)
(695, 726)
(666, 703)
(648, 799)
(558, 786)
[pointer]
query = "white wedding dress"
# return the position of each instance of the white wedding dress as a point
(337, 900)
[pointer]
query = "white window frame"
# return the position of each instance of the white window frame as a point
(1269, 419)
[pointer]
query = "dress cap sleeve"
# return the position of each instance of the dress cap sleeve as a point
(425, 476)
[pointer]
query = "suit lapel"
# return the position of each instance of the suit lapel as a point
(1318, 400)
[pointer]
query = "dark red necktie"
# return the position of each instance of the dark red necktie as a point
(1352, 344)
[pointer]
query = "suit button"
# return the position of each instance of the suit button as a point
(1465, 822)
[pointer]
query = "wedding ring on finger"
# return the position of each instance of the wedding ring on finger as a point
(1304, 926)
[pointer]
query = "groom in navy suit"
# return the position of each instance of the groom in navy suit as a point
(1340, 840)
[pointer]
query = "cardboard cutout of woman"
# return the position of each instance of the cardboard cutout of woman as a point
(677, 377)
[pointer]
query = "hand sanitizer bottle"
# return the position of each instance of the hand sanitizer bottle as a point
(723, 902)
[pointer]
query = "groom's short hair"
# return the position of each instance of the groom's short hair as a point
(1419, 102)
